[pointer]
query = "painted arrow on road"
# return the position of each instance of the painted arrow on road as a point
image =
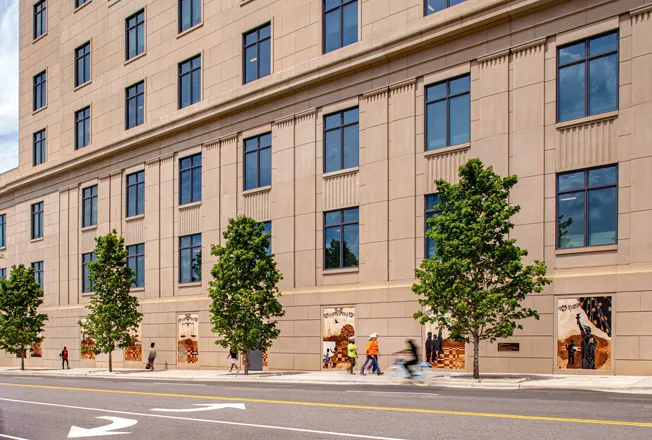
(116, 423)
(204, 407)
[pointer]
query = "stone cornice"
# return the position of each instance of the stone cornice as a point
(640, 10)
(494, 58)
(528, 47)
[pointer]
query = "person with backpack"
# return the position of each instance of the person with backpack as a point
(150, 358)
(64, 358)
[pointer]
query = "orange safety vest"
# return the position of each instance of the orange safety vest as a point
(372, 348)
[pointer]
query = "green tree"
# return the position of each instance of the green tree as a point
(21, 325)
(244, 289)
(113, 313)
(474, 284)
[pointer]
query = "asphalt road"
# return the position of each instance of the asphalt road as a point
(47, 408)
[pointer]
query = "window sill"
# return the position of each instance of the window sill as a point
(81, 86)
(135, 58)
(36, 240)
(133, 218)
(89, 228)
(588, 250)
(79, 8)
(39, 110)
(582, 121)
(189, 30)
(87, 294)
(257, 190)
(189, 206)
(341, 172)
(192, 284)
(137, 289)
(245, 2)
(39, 38)
(3, 248)
(445, 150)
(341, 271)
(114, 3)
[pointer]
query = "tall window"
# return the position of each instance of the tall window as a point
(79, 3)
(38, 152)
(37, 220)
(587, 207)
(3, 230)
(268, 230)
(448, 113)
(190, 82)
(38, 273)
(40, 90)
(341, 238)
(432, 200)
(433, 6)
(136, 193)
(257, 49)
(40, 19)
(135, 107)
(82, 127)
(3, 273)
(341, 140)
(190, 179)
(340, 23)
(189, 14)
(89, 206)
(83, 64)
(136, 262)
(258, 161)
(87, 286)
(587, 77)
(190, 258)
(135, 40)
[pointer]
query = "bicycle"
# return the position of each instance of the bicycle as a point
(422, 373)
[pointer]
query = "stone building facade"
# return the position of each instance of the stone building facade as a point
(139, 116)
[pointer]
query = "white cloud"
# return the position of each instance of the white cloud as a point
(9, 80)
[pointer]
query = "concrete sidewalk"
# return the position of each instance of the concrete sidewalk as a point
(621, 384)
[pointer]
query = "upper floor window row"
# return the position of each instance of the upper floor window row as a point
(3, 230)
(257, 53)
(82, 128)
(40, 19)
(432, 200)
(432, 6)
(341, 140)
(89, 206)
(190, 81)
(36, 223)
(135, 39)
(83, 64)
(258, 161)
(340, 24)
(448, 113)
(40, 90)
(189, 14)
(587, 77)
(135, 105)
(136, 194)
(38, 148)
(190, 179)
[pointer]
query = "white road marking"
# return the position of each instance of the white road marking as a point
(391, 392)
(180, 384)
(116, 423)
(11, 437)
(189, 419)
(206, 407)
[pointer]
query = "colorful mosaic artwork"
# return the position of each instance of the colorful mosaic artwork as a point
(37, 350)
(264, 358)
(448, 354)
(188, 343)
(337, 328)
(87, 345)
(135, 350)
(584, 333)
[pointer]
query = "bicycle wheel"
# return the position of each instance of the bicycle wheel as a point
(396, 374)
(423, 377)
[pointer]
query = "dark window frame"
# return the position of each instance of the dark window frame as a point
(3, 230)
(83, 52)
(341, 128)
(428, 212)
(136, 96)
(40, 17)
(38, 267)
(139, 250)
(268, 231)
(139, 186)
(341, 225)
(85, 271)
(36, 212)
(89, 218)
(80, 3)
(190, 248)
(40, 82)
(446, 98)
(257, 152)
(586, 60)
(341, 6)
(586, 189)
(3, 273)
(192, 19)
(134, 28)
(257, 43)
(39, 151)
(192, 169)
(86, 119)
(189, 73)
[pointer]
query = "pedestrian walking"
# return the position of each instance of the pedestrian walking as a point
(430, 345)
(233, 355)
(353, 353)
(64, 358)
(369, 360)
(151, 357)
(375, 368)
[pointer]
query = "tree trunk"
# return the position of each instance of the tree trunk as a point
(110, 362)
(245, 358)
(22, 358)
(476, 357)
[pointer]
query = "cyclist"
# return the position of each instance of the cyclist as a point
(411, 351)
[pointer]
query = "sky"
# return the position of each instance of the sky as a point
(8, 84)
